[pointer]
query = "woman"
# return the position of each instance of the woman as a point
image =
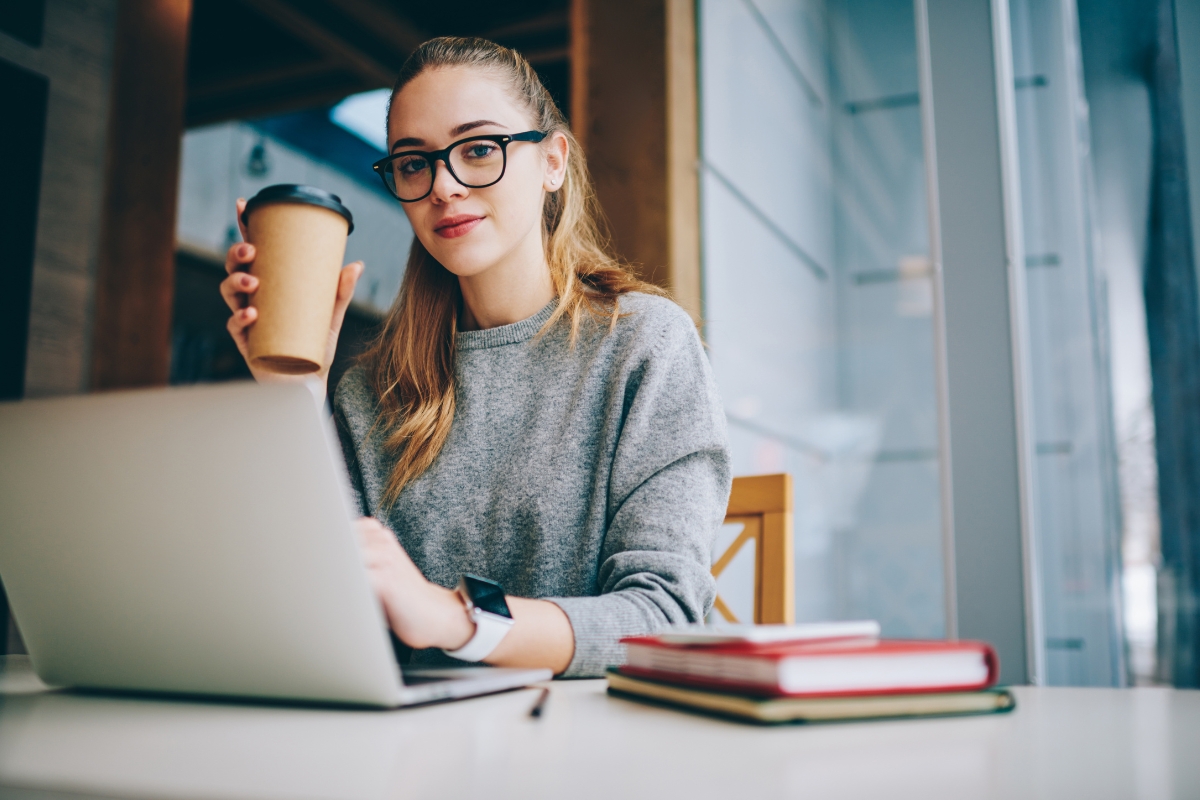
(530, 412)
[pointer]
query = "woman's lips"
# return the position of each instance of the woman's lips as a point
(453, 227)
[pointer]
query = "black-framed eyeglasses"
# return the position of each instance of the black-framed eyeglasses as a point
(475, 162)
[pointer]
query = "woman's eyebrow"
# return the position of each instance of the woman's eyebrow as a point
(412, 141)
(467, 126)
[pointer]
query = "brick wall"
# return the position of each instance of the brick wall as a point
(76, 57)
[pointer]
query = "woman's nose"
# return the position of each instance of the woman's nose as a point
(445, 187)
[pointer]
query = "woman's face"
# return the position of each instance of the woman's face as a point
(470, 230)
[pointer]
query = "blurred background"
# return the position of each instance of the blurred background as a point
(942, 253)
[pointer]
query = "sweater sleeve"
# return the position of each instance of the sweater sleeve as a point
(668, 491)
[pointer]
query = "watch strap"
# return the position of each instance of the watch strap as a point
(490, 630)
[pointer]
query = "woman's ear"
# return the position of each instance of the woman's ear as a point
(556, 161)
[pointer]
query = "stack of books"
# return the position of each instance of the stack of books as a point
(821, 672)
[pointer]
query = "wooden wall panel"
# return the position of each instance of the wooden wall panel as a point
(76, 56)
(683, 156)
(22, 136)
(24, 20)
(633, 106)
(71, 48)
(134, 281)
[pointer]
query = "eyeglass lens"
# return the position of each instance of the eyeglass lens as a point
(473, 164)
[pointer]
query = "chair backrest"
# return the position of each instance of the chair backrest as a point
(762, 504)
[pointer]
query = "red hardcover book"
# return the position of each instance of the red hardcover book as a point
(830, 668)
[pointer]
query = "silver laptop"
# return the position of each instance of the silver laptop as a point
(198, 540)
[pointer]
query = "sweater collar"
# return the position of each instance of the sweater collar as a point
(515, 333)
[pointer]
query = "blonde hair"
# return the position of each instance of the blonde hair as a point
(410, 365)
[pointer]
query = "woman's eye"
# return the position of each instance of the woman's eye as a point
(411, 166)
(481, 150)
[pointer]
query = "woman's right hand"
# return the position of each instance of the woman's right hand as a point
(238, 290)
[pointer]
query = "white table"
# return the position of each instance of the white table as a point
(1059, 743)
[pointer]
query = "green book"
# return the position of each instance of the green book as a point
(775, 710)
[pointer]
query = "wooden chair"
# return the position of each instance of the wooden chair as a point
(762, 504)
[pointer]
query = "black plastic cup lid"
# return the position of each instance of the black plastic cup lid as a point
(296, 193)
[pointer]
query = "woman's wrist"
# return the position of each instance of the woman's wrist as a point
(446, 624)
(459, 627)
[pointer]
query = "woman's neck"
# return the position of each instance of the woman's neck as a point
(509, 291)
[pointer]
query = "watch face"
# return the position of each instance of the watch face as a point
(487, 595)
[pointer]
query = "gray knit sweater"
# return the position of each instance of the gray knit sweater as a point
(594, 477)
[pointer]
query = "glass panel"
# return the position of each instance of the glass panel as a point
(1077, 515)
(818, 295)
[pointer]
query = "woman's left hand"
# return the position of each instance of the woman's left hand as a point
(421, 613)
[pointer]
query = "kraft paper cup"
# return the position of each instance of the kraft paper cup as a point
(299, 235)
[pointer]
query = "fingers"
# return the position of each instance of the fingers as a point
(237, 288)
(240, 205)
(375, 537)
(347, 280)
(379, 547)
(345, 293)
(372, 530)
(368, 529)
(368, 524)
(242, 319)
(238, 257)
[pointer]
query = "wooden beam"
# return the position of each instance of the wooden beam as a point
(322, 39)
(131, 345)
(580, 63)
(262, 79)
(549, 55)
(625, 94)
(383, 20)
(272, 100)
(633, 106)
(543, 23)
(274, 91)
(683, 156)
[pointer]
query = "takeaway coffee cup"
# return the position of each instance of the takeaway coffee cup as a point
(299, 235)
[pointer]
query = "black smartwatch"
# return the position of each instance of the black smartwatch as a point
(487, 608)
